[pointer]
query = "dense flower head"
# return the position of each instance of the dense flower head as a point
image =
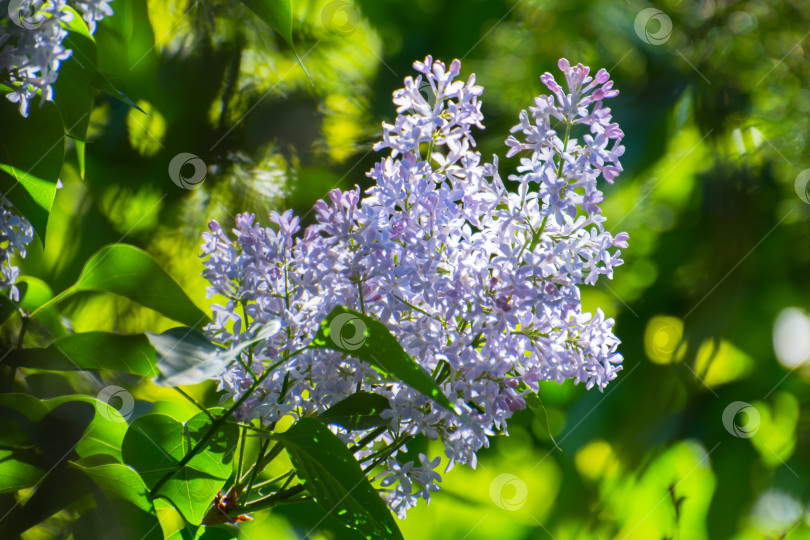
(31, 49)
(15, 235)
(479, 283)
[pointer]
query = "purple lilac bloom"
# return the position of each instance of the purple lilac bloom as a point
(466, 274)
(31, 48)
(15, 235)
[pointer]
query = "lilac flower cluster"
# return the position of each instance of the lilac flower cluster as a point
(31, 47)
(15, 234)
(480, 285)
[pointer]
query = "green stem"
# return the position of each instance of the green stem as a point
(272, 500)
(255, 470)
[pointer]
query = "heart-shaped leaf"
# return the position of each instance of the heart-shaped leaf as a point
(155, 444)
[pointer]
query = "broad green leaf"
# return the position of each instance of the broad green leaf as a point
(16, 473)
(92, 351)
(107, 428)
(30, 159)
(118, 519)
(124, 510)
(121, 482)
(36, 292)
(61, 487)
(34, 409)
(369, 340)
(130, 272)
(335, 480)
(358, 411)
(156, 443)
(185, 356)
(278, 16)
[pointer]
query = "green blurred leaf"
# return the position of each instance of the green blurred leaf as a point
(156, 443)
(372, 342)
(92, 351)
(130, 272)
(35, 293)
(278, 16)
(31, 158)
(358, 411)
(333, 477)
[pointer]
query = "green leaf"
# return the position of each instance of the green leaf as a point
(106, 431)
(36, 293)
(120, 481)
(535, 404)
(130, 272)
(156, 443)
(278, 16)
(369, 340)
(276, 13)
(124, 510)
(92, 351)
(31, 159)
(358, 411)
(61, 487)
(17, 473)
(335, 480)
(185, 356)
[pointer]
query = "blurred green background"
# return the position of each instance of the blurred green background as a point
(715, 98)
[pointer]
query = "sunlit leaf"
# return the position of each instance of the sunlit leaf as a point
(130, 272)
(92, 351)
(31, 159)
(155, 444)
